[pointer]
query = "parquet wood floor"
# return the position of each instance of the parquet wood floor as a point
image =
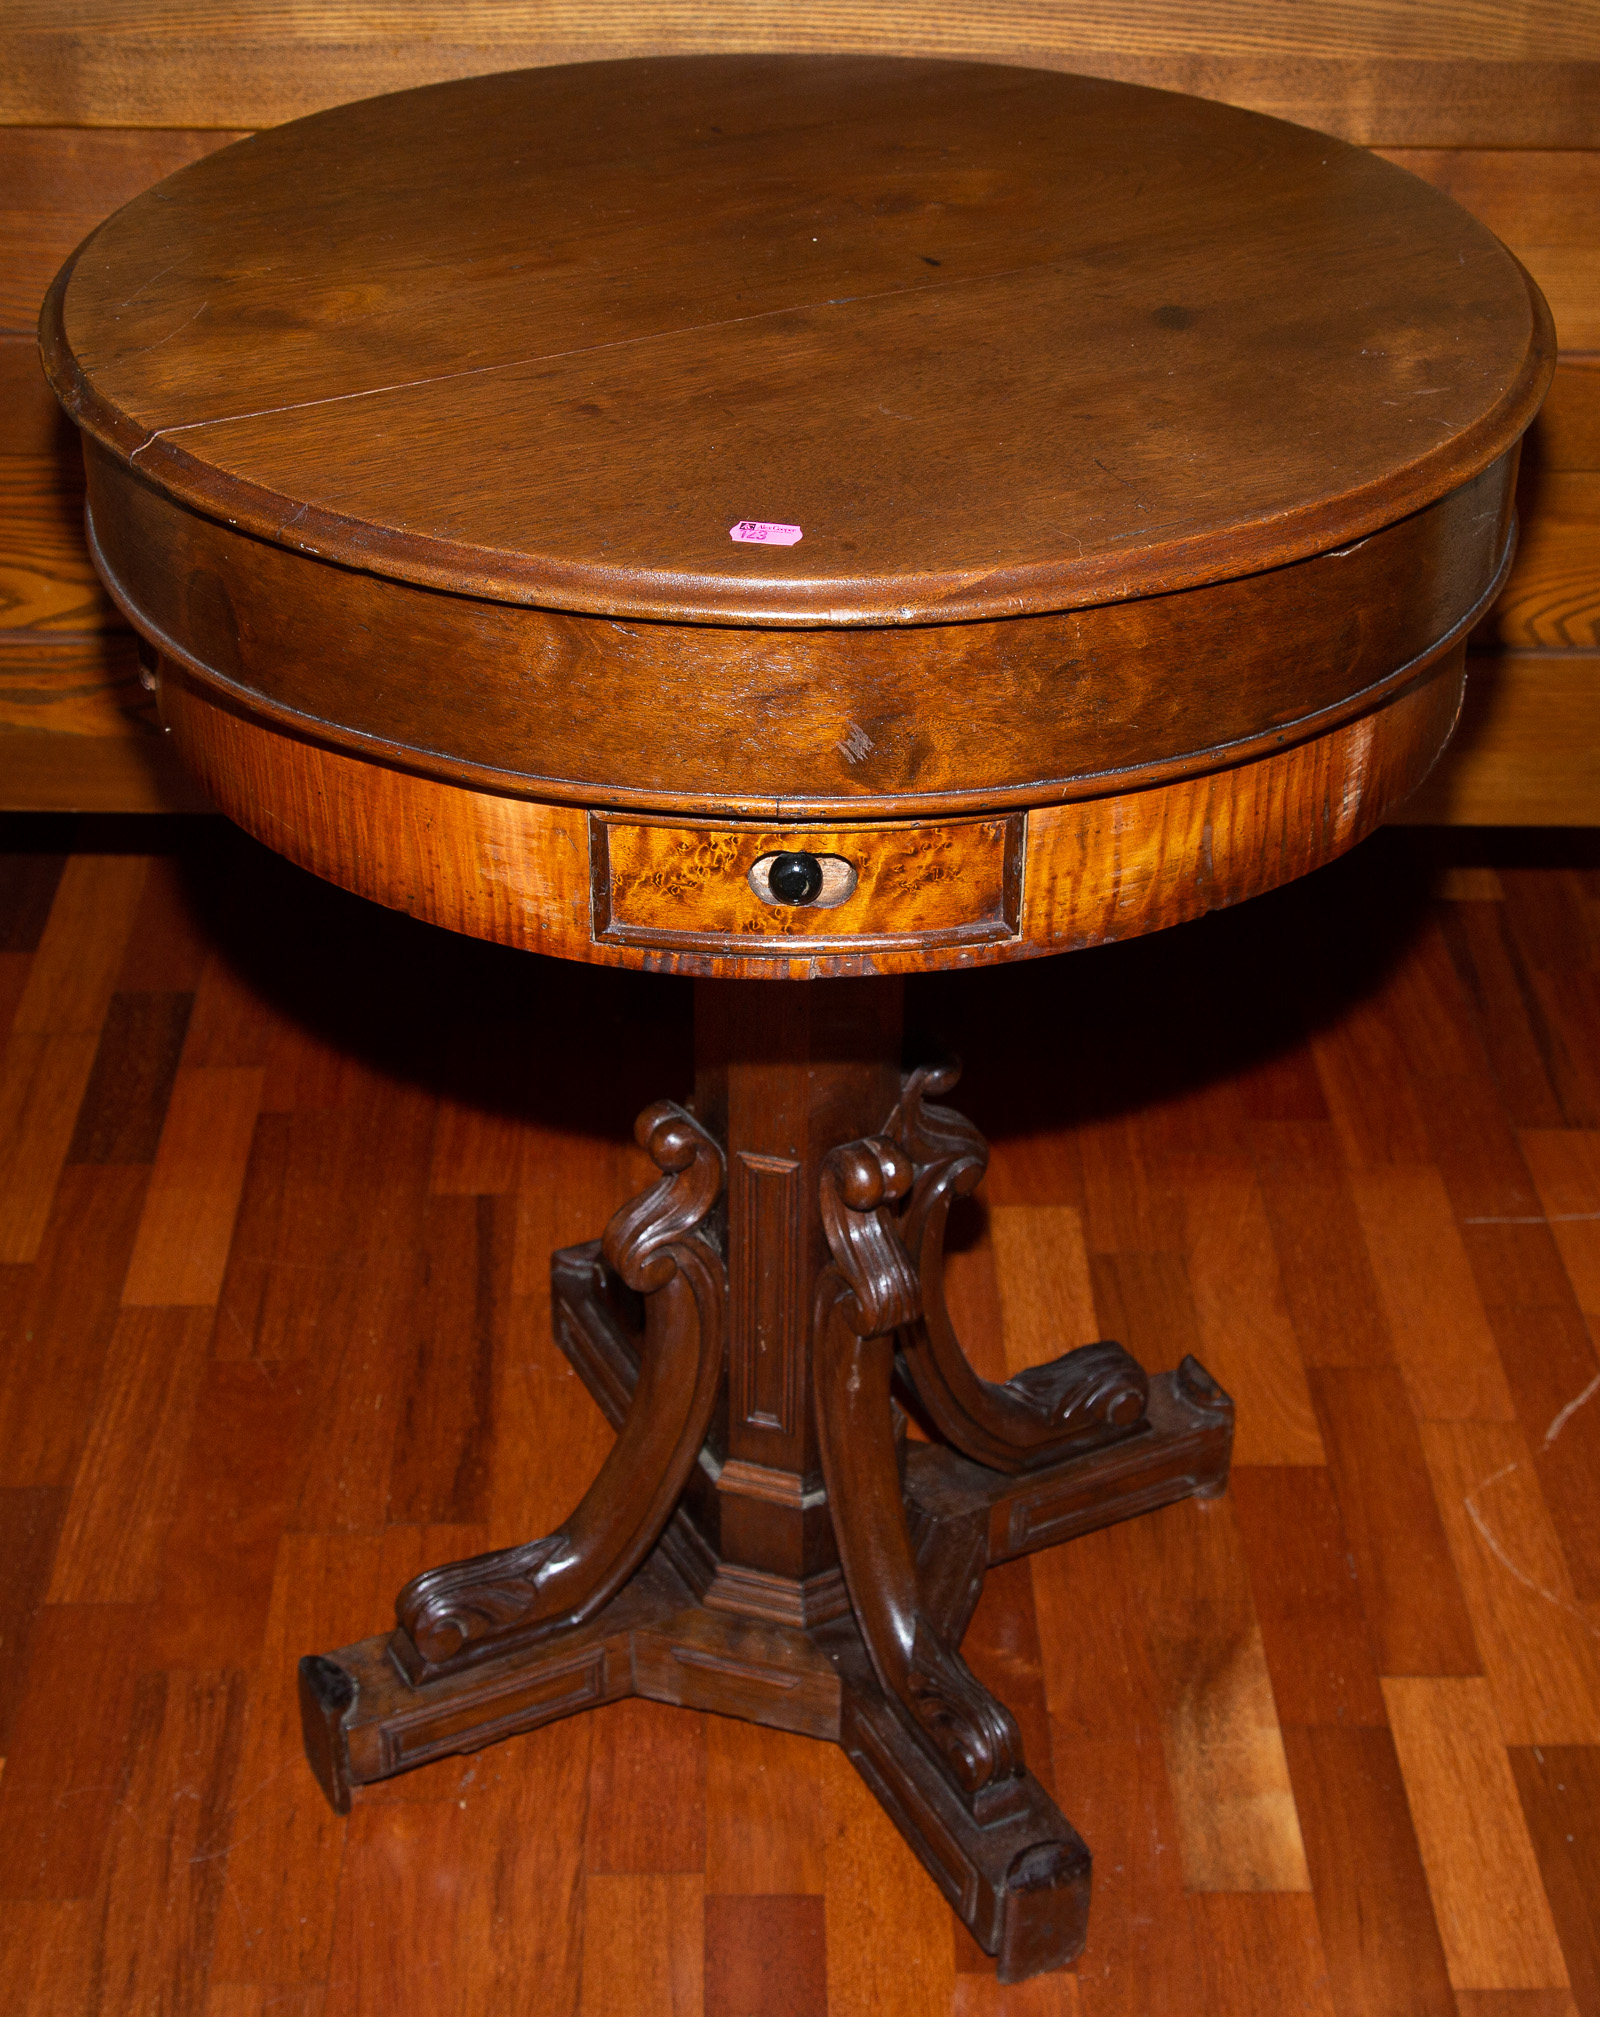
(279, 1176)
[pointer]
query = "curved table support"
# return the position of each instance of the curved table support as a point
(868, 1294)
(469, 1610)
(663, 1585)
(1095, 1391)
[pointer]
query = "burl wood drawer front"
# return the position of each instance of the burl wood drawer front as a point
(697, 887)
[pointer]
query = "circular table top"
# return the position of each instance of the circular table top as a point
(996, 341)
(1055, 507)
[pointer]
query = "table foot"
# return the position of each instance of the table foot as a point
(766, 1540)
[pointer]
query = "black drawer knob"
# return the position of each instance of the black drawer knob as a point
(795, 878)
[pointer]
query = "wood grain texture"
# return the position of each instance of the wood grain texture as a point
(1426, 75)
(1523, 755)
(1473, 1838)
(1401, 1561)
(1558, 1789)
(181, 1251)
(299, 1912)
(520, 872)
(60, 184)
(142, 1417)
(1378, 1927)
(264, 426)
(1545, 206)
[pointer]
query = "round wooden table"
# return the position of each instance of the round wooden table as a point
(799, 521)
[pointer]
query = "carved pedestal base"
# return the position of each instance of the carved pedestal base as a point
(765, 1540)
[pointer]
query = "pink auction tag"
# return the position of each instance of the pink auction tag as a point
(763, 534)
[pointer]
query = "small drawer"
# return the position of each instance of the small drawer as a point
(707, 887)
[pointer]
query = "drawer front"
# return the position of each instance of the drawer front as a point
(706, 887)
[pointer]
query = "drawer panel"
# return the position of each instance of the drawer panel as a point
(681, 886)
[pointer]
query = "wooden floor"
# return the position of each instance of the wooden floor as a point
(279, 1174)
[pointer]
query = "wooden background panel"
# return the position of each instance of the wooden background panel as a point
(1422, 73)
(1545, 205)
(1498, 105)
(59, 186)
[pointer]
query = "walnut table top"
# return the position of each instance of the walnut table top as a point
(1149, 460)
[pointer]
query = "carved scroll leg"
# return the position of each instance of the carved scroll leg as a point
(941, 1753)
(470, 1610)
(1090, 1395)
(464, 1629)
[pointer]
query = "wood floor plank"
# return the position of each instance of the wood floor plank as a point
(330, 1211)
(1323, 1263)
(1237, 1826)
(1442, 1341)
(1041, 1272)
(125, 1101)
(890, 1947)
(766, 1830)
(1261, 1954)
(1366, 1082)
(165, 1875)
(1129, 1208)
(1384, 1955)
(644, 1947)
(1144, 1301)
(1404, 1571)
(1485, 1884)
(58, 1317)
(30, 1520)
(1247, 1341)
(264, 1999)
(46, 1955)
(442, 1446)
(972, 1288)
(125, 1495)
(232, 1023)
(1565, 1163)
(1516, 2003)
(1560, 1793)
(1040, 1996)
(479, 1144)
(28, 889)
(212, 1603)
(1541, 1650)
(1100, 1679)
(1141, 1955)
(42, 1081)
(181, 1252)
(473, 1903)
(766, 1954)
(167, 946)
(285, 1844)
(74, 970)
(647, 1791)
(59, 1790)
(1318, 1646)
(1514, 1037)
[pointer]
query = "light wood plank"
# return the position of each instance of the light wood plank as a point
(1424, 74)
(1540, 1647)
(1527, 752)
(1482, 1872)
(1442, 1341)
(644, 1946)
(1041, 1266)
(181, 1251)
(1248, 1343)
